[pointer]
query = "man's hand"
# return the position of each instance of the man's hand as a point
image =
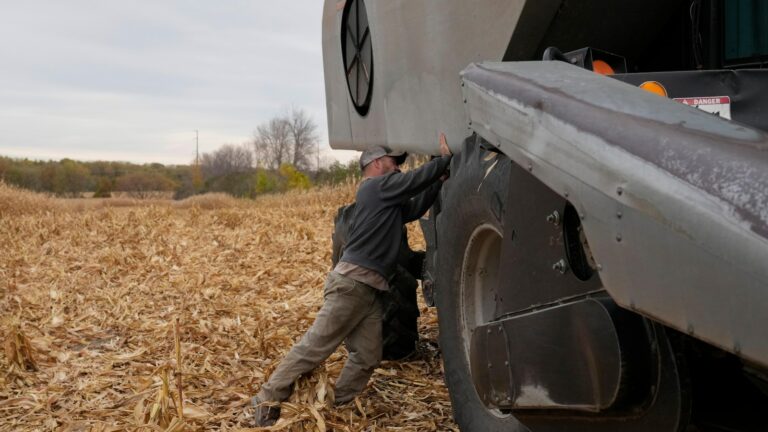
(444, 149)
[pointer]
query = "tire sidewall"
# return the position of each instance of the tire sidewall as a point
(465, 206)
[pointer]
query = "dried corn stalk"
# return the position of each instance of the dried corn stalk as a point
(177, 372)
(97, 282)
(18, 350)
(162, 412)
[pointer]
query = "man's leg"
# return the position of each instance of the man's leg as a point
(345, 305)
(365, 347)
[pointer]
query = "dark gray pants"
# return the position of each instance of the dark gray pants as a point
(351, 313)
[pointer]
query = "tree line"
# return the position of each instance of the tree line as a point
(282, 155)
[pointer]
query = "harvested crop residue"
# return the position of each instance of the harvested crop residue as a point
(91, 294)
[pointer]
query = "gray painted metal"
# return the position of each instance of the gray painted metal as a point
(572, 361)
(674, 200)
(419, 48)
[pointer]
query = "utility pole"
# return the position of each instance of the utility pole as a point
(197, 175)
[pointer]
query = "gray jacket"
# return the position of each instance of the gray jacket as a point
(384, 204)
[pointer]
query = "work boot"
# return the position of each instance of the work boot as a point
(343, 397)
(265, 413)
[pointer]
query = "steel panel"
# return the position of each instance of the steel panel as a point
(419, 48)
(527, 258)
(675, 201)
(562, 357)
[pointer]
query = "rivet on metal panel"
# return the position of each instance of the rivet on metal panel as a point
(530, 167)
(560, 266)
(690, 329)
(619, 215)
(554, 218)
(506, 362)
(619, 190)
(490, 365)
(465, 100)
(565, 194)
(618, 237)
(470, 122)
(499, 329)
(582, 216)
(599, 267)
(489, 331)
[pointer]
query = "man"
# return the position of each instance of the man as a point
(351, 312)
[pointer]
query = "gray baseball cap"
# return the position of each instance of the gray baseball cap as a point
(373, 153)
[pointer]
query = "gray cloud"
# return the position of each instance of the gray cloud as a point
(133, 80)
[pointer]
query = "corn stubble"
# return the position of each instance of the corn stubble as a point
(161, 316)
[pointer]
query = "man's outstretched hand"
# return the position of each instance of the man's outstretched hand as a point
(444, 149)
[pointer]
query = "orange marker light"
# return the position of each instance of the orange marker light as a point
(602, 68)
(654, 87)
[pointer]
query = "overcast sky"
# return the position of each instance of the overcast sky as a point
(131, 81)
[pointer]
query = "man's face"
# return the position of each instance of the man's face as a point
(388, 165)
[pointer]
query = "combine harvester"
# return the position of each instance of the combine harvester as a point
(599, 258)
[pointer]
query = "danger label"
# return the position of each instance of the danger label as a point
(718, 105)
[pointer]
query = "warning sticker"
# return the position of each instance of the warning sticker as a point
(718, 105)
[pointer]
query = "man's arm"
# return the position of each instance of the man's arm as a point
(418, 205)
(403, 186)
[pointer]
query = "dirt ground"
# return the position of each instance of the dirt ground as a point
(91, 295)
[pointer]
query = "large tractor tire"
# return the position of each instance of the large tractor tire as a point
(470, 237)
(471, 204)
(401, 312)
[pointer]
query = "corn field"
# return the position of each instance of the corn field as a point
(161, 316)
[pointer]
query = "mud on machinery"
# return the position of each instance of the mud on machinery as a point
(599, 258)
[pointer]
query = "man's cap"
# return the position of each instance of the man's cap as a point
(373, 153)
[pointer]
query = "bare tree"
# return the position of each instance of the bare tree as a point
(272, 143)
(303, 131)
(227, 159)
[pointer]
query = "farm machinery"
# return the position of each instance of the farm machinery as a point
(599, 257)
